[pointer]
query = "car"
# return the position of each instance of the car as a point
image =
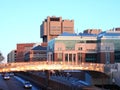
(27, 84)
(11, 74)
(6, 77)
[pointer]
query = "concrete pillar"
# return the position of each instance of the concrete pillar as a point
(76, 58)
(68, 57)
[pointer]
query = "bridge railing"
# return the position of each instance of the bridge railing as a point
(48, 65)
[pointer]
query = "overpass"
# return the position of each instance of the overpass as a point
(104, 69)
(44, 65)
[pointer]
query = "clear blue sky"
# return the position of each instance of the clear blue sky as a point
(20, 19)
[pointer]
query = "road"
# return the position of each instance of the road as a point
(13, 84)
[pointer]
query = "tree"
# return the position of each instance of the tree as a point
(1, 57)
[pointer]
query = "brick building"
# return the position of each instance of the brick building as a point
(101, 48)
(92, 31)
(72, 47)
(54, 26)
(21, 49)
(37, 53)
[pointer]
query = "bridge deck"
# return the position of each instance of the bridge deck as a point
(36, 66)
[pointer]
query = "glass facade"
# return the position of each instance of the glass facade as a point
(70, 44)
(50, 47)
(117, 56)
(87, 48)
(111, 37)
(116, 43)
(91, 57)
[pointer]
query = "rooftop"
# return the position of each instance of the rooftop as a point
(39, 48)
(108, 34)
(80, 34)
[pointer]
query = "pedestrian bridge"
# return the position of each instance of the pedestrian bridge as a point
(44, 65)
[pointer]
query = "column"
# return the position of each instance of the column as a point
(72, 57)
(76, 61)
(68, 57)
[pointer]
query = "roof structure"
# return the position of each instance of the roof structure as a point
(39, 48)
(87, 34)
(68, 34)
(109, 34)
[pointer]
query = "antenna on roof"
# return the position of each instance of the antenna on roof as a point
(77, 31)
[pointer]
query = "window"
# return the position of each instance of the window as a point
(107, 55)
(59, 56)
(59, 48)
(107, 48)
(91, 41)
(91, 58)
(70, 57)
(80, 48)
(79, 57)
(81, 41)
(66, 57)
(74, 57)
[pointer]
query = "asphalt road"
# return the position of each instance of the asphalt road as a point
(12, 84)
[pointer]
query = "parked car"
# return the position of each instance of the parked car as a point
(6, 77)
(27, 84)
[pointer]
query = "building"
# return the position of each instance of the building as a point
(1, 57)
(112, 39)
(93, 31)
(21, 49)
(102, 48)
(54, 26)
(11, 57)
(117, 29)
(37, 53)
(72, 47)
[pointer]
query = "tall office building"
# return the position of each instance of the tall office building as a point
(54, 26)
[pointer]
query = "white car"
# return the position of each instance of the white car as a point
(27, 84)
(6, 77)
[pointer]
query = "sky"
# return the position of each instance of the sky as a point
(20, 19)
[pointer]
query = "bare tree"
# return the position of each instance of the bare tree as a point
(1, 57)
